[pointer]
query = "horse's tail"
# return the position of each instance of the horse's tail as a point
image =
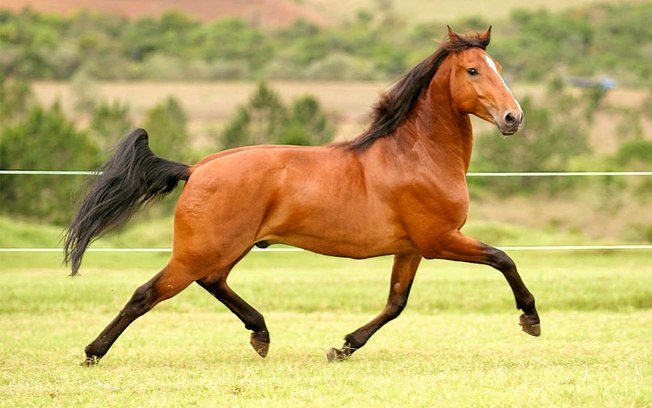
(131, 178)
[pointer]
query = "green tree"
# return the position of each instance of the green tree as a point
(110, 121)
(265, 119)
(589, 40)
(43, 140)
(233, 41)
(15, 98)
(307, 124)
(551, 137)
(166, 124)
(260, 121)
(634, 155)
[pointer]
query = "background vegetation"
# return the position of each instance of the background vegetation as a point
(539, 46)
(598, 39)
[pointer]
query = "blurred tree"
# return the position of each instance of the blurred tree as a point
(233, 40)
(551, 137)
(166, 124)
(141, 39)
(264, 119)
(109, 123)
(86, 92)
(589, 40)
(43, 140)
(630, 126)
(260, 121)
(307, 124)
(634, 155)
(301, 44)
(15, 98)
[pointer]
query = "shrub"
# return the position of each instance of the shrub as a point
(166, 124)
(265, 119)
(44, 140)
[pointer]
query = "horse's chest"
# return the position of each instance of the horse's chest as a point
(436, 206)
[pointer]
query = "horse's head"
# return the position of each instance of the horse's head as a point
(477, 86)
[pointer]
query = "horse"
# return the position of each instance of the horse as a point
(399, 188)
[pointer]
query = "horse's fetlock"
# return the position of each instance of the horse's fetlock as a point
(527, 305)
(352, 343)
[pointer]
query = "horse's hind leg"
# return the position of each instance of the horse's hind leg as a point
(251, 318)
(403, 271)
(167, 283)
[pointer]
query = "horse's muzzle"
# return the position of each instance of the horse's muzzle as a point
(510, 122)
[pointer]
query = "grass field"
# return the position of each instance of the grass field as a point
(457, 343)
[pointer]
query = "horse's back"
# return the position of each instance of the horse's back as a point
(262, 167)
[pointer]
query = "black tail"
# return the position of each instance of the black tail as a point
(132, 177)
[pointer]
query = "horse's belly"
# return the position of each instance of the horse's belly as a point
(334, 230)
(350, 247)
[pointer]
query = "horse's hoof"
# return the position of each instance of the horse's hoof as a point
(260, 345)
(90, 361)
(531, 327)
(337, 355)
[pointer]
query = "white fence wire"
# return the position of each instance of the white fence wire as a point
(484, 174)
(504, 248)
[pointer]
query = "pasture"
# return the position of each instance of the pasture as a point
(456, 344)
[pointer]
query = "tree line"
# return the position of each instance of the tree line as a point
(36, 137)
(555, 138)
(592, 40)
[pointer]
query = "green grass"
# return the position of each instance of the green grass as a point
(157, 233)
(150, 233)
(457, 343)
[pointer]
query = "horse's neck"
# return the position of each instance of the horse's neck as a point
(439, 131)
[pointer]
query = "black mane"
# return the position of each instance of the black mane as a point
(397, 104)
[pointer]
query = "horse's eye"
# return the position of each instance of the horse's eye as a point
(472, 71)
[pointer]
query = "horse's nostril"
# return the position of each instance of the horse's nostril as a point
(510, 119)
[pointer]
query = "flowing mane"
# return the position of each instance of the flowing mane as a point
(397, 104)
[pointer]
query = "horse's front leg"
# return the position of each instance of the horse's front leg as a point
(403, 271)
(461, 248)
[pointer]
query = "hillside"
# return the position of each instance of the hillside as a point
(266, 13)
(281, 13)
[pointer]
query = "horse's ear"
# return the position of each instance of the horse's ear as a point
(452, 35)
(485, 38)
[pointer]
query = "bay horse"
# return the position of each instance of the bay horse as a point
(399, 189)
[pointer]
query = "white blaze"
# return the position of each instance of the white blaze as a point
(493, 66)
